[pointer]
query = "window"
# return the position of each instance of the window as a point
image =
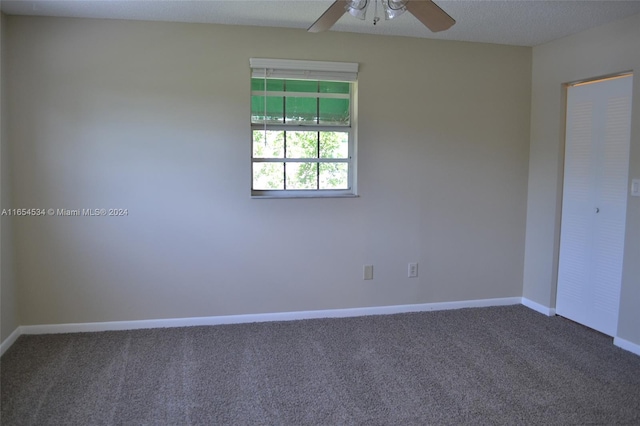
(303, 128)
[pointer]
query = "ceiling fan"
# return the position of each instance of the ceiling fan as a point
(425, 11)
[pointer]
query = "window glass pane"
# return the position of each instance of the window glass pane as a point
(275, 109)
(275, 84)
(302, 144)
(334, 176)
(334, 111)
(271, 147)
(334, 145)
(302, 86)
(257, 109)
(302, 175)
(272, 84)
(257, 84)
(301, 110)
(334, 87)
(268, 176)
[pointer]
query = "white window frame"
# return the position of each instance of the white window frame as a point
(309, 70)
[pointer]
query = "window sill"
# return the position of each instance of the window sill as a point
(303, 195)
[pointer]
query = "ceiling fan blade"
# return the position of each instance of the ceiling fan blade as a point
(329, 17)
(430, 15)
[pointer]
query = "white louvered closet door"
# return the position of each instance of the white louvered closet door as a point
(594, 202)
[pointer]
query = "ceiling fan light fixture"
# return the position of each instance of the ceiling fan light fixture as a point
(357, 8)
(426, 11)
(393, 8)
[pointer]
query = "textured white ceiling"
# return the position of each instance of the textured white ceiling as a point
(515, 22)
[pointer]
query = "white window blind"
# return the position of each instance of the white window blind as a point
(303, 70)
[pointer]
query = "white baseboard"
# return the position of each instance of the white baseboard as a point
(277, 316)
(6, 344)
(538, 307)
(627, 345)
(284, 316)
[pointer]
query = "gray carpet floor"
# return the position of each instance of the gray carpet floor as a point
(501, 365)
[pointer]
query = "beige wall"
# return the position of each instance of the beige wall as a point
(8, 298)
(153, 117)
(608, 49)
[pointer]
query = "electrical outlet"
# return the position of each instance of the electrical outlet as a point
(412, 271)
(635, 187)
(367, 272)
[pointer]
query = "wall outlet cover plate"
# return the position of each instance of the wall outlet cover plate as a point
(635, 187)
